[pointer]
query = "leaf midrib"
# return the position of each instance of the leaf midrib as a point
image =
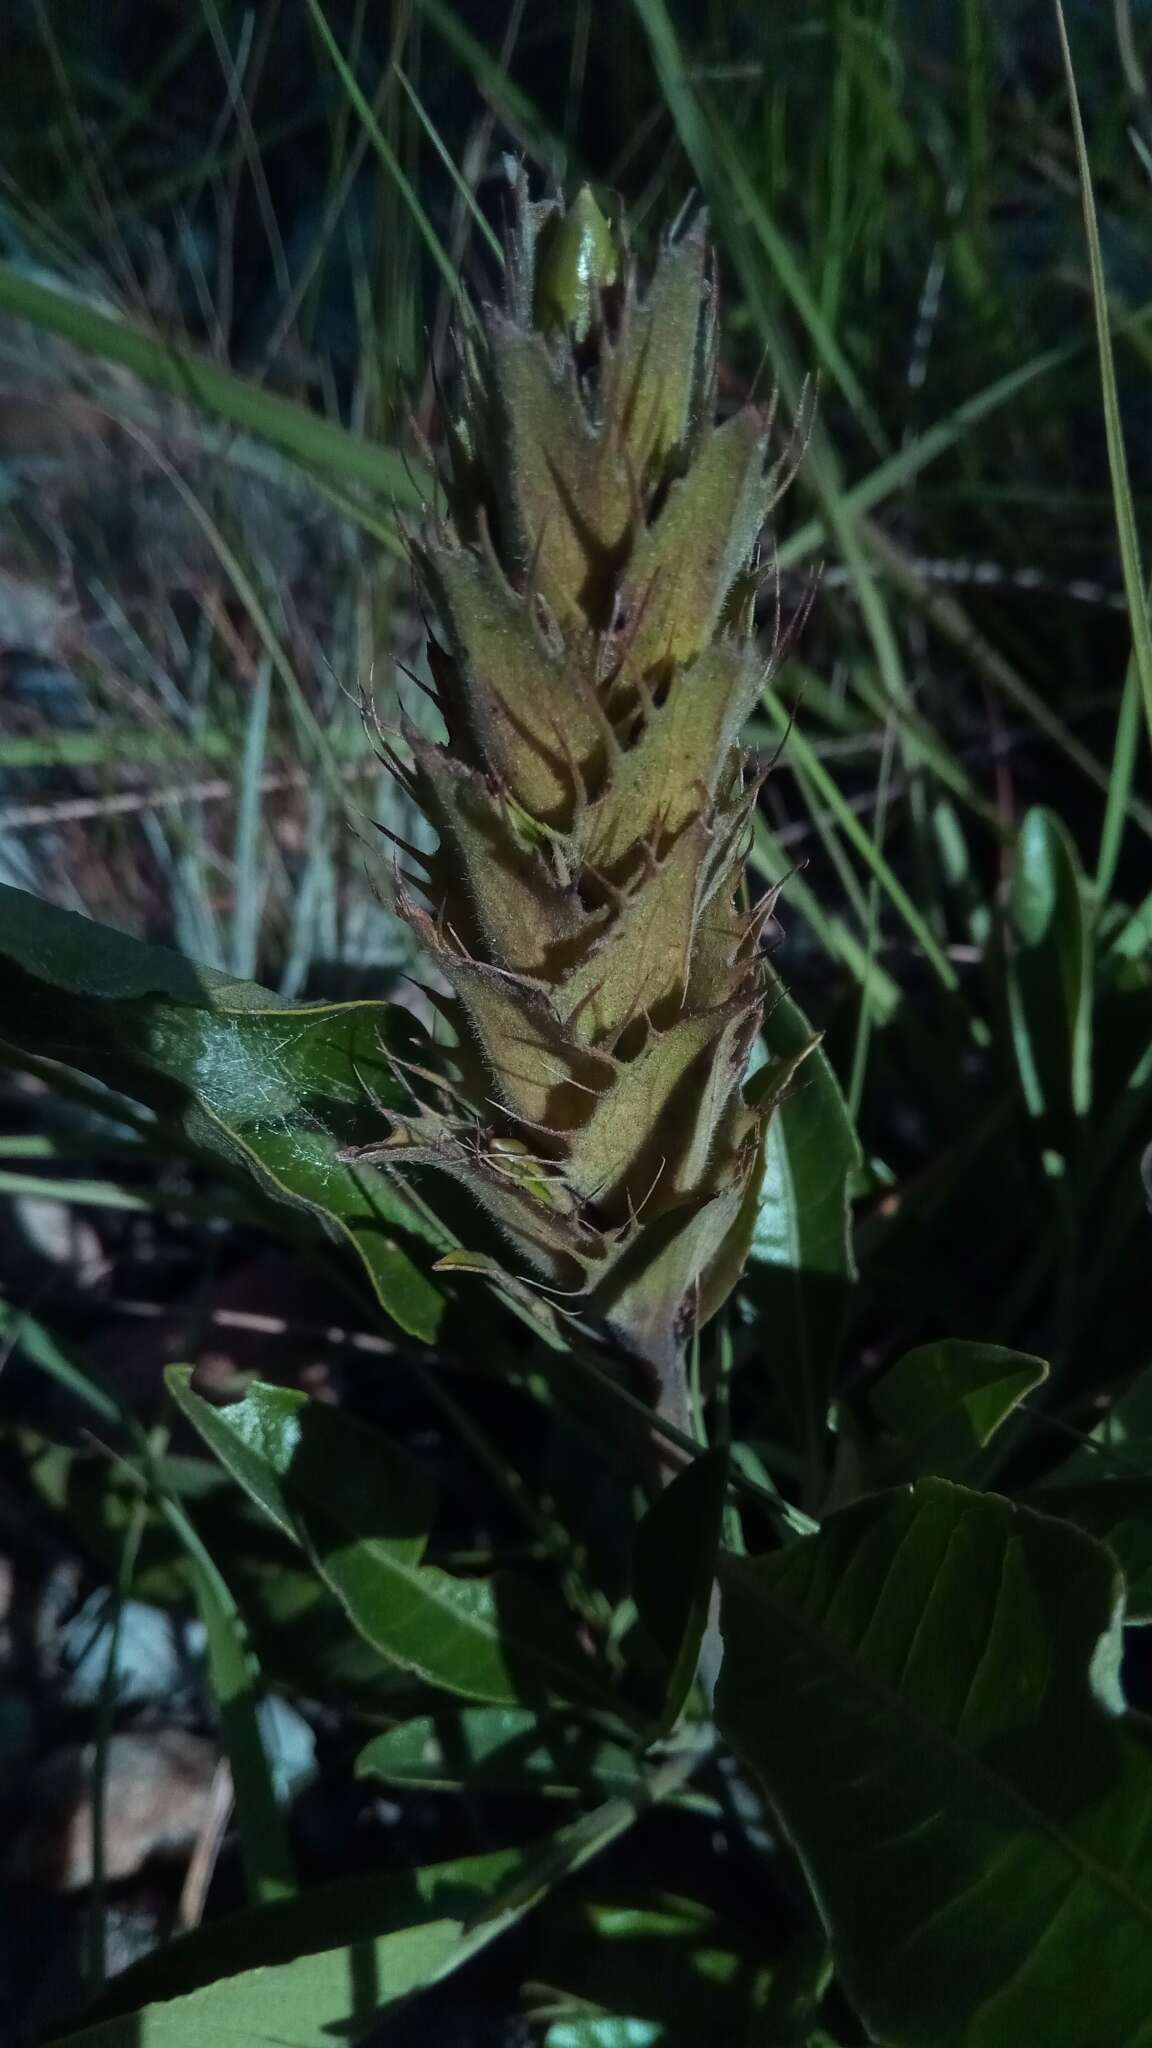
(941, 1739)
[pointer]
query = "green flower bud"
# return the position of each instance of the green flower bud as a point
(577, 260)
(594, 663)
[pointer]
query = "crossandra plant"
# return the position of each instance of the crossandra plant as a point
(594, 579)
(915, 1807)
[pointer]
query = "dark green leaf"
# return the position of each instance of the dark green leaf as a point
(276, 1093)
(101, 1397)
(301, 1638)
(362, 1511)
(328, 1964)
(287, 1450)
(675, 1572)
(234, 1676)
(1119, 1512)
(929, 1691)
(500, 1749)
(499, 1639)
(1050, 971)
(943, 1403)
(801, 1253)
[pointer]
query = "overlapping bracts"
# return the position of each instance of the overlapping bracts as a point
(592, 580)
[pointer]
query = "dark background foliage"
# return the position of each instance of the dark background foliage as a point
(962, 807)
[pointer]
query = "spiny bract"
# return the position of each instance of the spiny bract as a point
(594, 581)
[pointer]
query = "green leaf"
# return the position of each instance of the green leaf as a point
(362, 1512)
(265, 1937)
(499, 1639)
(295, 2005)
(944, 1402)
(102, 1397)
(301, 1637)
(234, 1676)
(1119, 1513)
(1049, 976)
(929, 1691)
(500, 1749)
(285, 1449)
(674, 1573)
(801, 1253)
(275, 1092)
(327, 1965)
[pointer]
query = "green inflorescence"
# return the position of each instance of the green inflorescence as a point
(594, 583)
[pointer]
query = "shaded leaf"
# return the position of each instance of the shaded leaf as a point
(80, 1381)
(1050, 971)
(802, 1267)
(943, 1403)
(500, 1749)
(675, 1571)
(1119, 1512)
(330, 1963)
(235, 1678)
(300, 1636)
(287, 1450)
(928, 1690)
(362, 1511)
(275, 1092)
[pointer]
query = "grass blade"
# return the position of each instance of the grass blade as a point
(1113, 426)
(827, 789)
(385, 151)
(315, 442)
(233, 1674)
(249, 886)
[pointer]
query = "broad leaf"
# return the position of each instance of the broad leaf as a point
(942, 1404)
(675, 1573)
(801, 1251)
(929, 1691)
(362, 1512)
(392, 1937)
(501, 1749)
(288, 1451)
(277, 1093)
(1050, 972)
